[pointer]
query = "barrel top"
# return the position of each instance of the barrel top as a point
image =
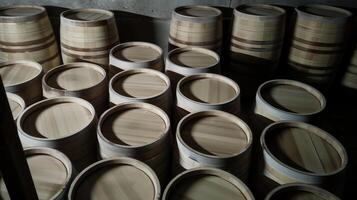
(193, 57)
(134, 124)
(56, 118)
(215, 133)
(21, 13)
(86, 15)
(323, 11)
(260, 10)
(208, 88)
(15, 73)
(137, 52)
(122, 178)
(304, 148)
(140, 83)
(17, 104)
(292, 97)
(74, 76)
(196, 13)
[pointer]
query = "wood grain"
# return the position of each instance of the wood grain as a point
(17, 104)
(17, 73)
(193, 59)
(137, 54)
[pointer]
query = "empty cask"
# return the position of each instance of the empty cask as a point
(23, 78)
(349, 79)
(120, 178)
(62, 123)
(26, 34)
(134, 55)
(206, 91)
(187, 61)
(206, 184)
(17, 104)
(80, 79)
(141, 85)
(214, 139)
(196, 25)
(88, 35)
(51, 173)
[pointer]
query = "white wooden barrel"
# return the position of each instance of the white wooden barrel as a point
(80, 79)
(187, 61)
(300, 191)
(134, 55)
(119, 178)
(196, 25)
(321, 162)
(26, 34)
(88, 35)
(17, 104)
(67, 124)
(141, 85)
(206, 91)
(283, 99)
(23, 78)
(206, 183)
(51, 173)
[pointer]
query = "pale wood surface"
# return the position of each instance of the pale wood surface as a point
(193, 59)
(214, 135)
(57, 120)
(208, 90)
(87, 15)
(122, 181)
(138, 53)
(259, 11)
(323, 11)
(291, 98)
(303, 150)
(75, 78)
(17, 73)
(15, 106)
(205, 187)
(19, 11)
(197, 11)
(134, 127)
(140, 85)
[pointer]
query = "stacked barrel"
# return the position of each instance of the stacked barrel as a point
(350, 77)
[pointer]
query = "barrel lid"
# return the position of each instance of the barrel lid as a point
(17, 104)
(137, 52)
(196, 13)
(16, 73)
(21, 13)
(87, 16)
(122, 178)
(323, 12)
(208, 88)
(304, 148)
(192, 57)
(55, 118)
(260, 10)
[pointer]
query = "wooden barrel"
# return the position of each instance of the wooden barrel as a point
(23, 78)
(350, 77)
(257, 33)
(214, 139)
(317, 42)
(26, 34)
(196, 25)
(67, 124)
(321, 162)
(300, 191)
(136, 130)
(283, 99)
(206, 183)
(17, 104)
(206, 91)
(134, 55)
(187, 61)
(81, 79)
(51, 173)
(88, 35)
(141, 85)
(120, 178)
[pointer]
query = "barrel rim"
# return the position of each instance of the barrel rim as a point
(130, 105)
(338, 147)
(313, 91)
(116, 161)
(18, 100)
(300, 10)
(28, 63)
(239, 185)
(177, 14)
(48, 88)
(301, 187)
(238, 10)
(110, 15)
(51, 101)
(238, 121)
(224, 79)
(129, 72)
(10, 19)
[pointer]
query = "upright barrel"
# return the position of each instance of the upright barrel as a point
(196, 25)
(349, 79)
(67, 124)
(135, 55)
(17, 104)
(23, 78)
(26, 34)
(88, 35)
(80, 79)
(317, 43)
